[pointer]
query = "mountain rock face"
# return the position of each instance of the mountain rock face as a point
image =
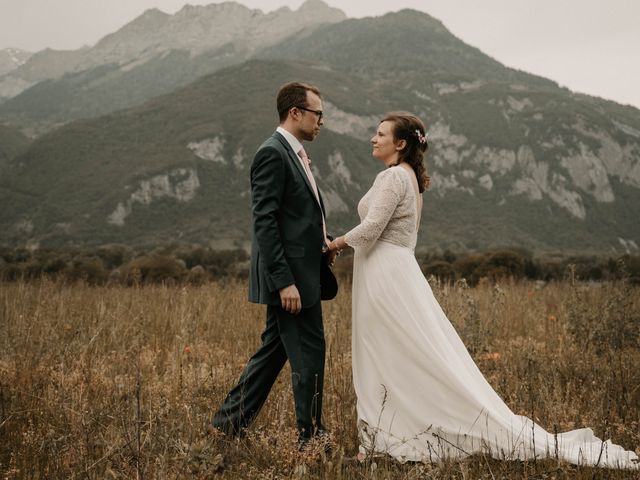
(514, 159)
(12, 58)
(198, 29)
(194, 29)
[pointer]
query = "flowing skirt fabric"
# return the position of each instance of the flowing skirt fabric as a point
(420, 395)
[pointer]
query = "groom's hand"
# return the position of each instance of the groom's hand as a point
(332, 256)
(290, 299)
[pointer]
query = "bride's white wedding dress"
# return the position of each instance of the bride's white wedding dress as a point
(420, 395)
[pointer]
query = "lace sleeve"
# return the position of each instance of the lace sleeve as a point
(388, 191)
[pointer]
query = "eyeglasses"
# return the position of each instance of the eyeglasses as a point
(319, 113)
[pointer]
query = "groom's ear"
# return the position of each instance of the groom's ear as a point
(295, 113)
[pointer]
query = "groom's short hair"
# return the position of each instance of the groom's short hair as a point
(293, 94)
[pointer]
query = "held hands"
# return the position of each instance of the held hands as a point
(332, 254)
(337, 245)
(290, 299)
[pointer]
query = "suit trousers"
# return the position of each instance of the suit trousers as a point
(297, 338)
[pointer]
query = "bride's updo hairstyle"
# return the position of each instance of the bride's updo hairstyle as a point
(410, 128)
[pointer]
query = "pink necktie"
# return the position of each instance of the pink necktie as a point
(306, 163)
(307, 168)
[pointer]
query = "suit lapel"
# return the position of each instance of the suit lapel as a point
(324, 214)
(296, 161)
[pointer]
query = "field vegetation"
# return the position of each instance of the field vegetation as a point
(117, 381)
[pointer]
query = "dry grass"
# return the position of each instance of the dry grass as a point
(116, 382)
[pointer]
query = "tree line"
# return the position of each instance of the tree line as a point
(196, 264)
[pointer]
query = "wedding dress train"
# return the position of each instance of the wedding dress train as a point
(420, 396)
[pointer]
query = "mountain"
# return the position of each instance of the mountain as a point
(176, 166)
(401, 44)
(514, 158)
(152, 55)
(12, 144)
(107, 88)
(198, 29)
(516, 137)
(41, 65)
(12, 58)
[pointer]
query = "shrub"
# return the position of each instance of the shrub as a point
(628, 266)
(192, 255)
(501, 264)
(443, 271)
(552, 270)
(532, 269)
(466, 268)
(53, 265)
(585, 268)
(153, 269)
(32, 269)
(225, 262)
(16, 255)
(114, 255)
(11, 271)
(219, 263)
(48, 262)
(88, 269)
(198, 276)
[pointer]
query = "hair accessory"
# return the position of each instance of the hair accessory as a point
(421, 138)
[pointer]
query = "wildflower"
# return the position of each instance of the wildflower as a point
(187, 349)
(552, 318)
(493, 356)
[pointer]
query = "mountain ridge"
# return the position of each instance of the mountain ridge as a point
(12, 58)
(514, 159)
(155, 32)
(194, 178)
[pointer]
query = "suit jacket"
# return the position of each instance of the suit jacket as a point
(286, 246)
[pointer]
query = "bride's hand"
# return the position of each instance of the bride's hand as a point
(337, 244)
(333, 246)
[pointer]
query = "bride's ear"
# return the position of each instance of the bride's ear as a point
(401, 144)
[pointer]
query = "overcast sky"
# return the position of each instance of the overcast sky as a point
(590, 46)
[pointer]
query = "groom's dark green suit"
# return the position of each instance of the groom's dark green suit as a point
(286, 249)
(287, 226)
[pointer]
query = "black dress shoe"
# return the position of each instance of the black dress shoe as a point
(230, 434)
(303, 443)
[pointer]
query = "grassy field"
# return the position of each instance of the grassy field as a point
(117, 382)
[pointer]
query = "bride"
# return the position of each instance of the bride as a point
(420, 396)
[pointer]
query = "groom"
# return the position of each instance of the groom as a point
(289, 235)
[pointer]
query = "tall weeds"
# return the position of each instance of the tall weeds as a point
(117, 382)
